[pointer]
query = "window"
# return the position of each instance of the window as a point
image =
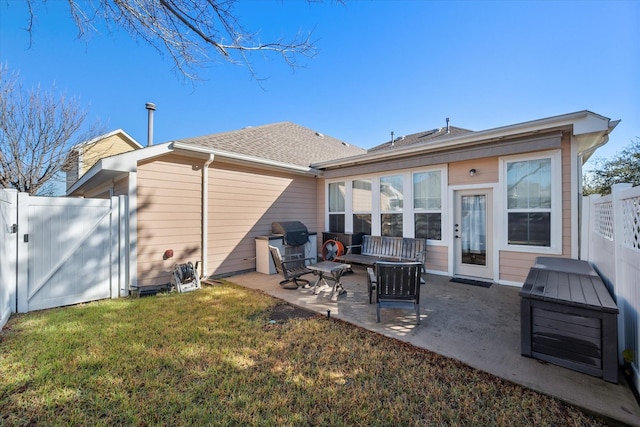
(427, 204)
(529, 202)
(336, 207)
(391, 205)
(361, 205)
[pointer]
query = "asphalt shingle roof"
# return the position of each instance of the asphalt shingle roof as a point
(284, 142)
(433, 135)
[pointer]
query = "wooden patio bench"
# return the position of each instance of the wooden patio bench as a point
(386, 248)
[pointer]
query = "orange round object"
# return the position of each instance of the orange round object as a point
(332, 249)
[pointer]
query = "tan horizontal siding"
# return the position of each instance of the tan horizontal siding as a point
(169, 216)
(243, 202)
(121, 187)
(174, 219)
(320, 207)
(173, 195)
(486, 171)
(437, 258)
(514, 266)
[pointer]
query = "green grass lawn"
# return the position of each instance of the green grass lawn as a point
(217, 357)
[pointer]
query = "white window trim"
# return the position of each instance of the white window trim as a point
(355, 212)
(403, 212)
(376, 211)
(326, 203)
(556, 203)
(444, 184)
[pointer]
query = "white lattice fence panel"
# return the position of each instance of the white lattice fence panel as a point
(604, 219)
(631, 222)
(629, 255)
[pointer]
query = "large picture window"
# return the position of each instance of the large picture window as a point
(361, 205)
(530, 202)
(391, 205)
(427, 204)
(336, 207)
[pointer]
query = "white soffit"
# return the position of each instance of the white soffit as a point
(590, 123)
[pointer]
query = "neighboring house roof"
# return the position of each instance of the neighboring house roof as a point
(421, 137)
(135, 144)
(81, 157)
(284, 142)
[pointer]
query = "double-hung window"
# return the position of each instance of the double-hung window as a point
(391, 205)
(361, 205)
(336, 207)
(427, 204)
(533, 192)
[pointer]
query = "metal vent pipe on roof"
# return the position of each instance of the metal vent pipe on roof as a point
(448, 130)
(151, 107)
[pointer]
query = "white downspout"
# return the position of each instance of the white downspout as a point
(205, 216)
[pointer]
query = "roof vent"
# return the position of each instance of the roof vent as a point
(448, 130)
(318, 134)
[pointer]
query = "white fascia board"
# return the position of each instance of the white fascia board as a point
(248, 159)
(590, 123)
(503, 132)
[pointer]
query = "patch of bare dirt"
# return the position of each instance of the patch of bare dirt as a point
(284, 312)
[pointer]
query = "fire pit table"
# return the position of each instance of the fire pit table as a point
(332, 271)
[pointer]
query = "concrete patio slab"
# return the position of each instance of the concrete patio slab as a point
(475, 325)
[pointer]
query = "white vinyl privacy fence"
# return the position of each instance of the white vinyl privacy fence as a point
(59, 251)
(8, 248)
(611, 241)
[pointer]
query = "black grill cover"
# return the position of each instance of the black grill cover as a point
(294, 233)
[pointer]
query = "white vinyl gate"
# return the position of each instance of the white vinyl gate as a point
(69, 251)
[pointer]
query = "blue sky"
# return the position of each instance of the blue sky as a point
(382, 66)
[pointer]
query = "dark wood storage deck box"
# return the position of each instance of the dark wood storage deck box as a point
(568, 318)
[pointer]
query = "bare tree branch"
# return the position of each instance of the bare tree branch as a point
(37, 127)
(192, 32)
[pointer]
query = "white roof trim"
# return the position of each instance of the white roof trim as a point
(128, 162)
(246, 158)
(583, 121)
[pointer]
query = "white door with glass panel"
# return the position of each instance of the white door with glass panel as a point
(473, 233)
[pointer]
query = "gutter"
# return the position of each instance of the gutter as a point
(205, 215)
(586, 154)
(531, 127)
(247, 159)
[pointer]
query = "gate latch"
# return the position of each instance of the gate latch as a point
(14, 228)
(26, 238)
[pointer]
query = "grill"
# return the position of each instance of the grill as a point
(294, 233)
